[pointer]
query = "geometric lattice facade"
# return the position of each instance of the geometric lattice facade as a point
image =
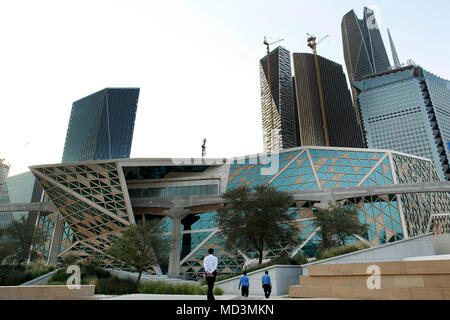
(93, 199)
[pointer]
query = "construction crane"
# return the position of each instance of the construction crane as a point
(267, 44)
(313, 45)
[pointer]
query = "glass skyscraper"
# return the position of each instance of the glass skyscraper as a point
(364, 50)
(281, 100)
(101, 125)
(408, 110)
(4, 170)
(21, 188)
(338, 104)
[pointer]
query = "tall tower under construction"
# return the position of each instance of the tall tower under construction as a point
(277, 101)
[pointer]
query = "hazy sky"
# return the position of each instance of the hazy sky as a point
(196, 63)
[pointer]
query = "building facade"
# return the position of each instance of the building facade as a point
(21, 188)
(364, 50)
(101, 125)
(337, 99)
(408, 110)
(277, 101)
(98, 200)
(4, 171)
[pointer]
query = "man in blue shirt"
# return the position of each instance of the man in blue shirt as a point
(245, 283)
(266, 284)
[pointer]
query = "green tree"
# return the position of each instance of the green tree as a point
(338, 222)
(255, 218)
(140, 247)
(20, 241)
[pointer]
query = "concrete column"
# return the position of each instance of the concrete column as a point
(55, 245)
(175, 248)
(176, 214)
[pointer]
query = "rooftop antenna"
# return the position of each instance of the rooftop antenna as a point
(313, 45)
(267, 44)
(204, 148)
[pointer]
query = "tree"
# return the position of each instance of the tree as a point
(21, 241)
(255, 218)
(338, 222)
(140, 247)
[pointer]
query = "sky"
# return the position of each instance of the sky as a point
(196, 63)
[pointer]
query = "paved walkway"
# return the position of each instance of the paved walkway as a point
(196, 297)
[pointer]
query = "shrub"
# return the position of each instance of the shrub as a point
(338, 251)
(114, 285)
(59, 277)
(38, 270)
(300, 259)
(11, 276)
(218, 291)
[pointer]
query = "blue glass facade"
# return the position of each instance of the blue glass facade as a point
(18, 189)
(407, 110)
(101, 125)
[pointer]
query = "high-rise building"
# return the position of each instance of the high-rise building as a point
(280, 96)
(101, 125)
(21, 188)
(4, 170)
(343, 127)
(364, 50)
(407, 110)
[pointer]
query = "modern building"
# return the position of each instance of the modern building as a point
(277, 101)
(101, 125)
(364, 50)
(408, 110)
(343, 127)
(4, 171)
(98, 200)
(21, 188)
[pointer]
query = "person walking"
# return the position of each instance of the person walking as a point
(245, 284)
(266, 284)
(210, 266)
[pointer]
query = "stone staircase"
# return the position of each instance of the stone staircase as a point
(402, 280)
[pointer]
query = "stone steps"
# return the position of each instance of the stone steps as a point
(403, 280)
(387, 281)
(387, 268)
(366, 294)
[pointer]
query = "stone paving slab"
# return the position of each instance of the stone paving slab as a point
(202, 297)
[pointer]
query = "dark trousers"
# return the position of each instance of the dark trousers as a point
(244, 291)
(267, 290)
(210, 282)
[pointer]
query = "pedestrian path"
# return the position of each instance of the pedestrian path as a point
(197, 297)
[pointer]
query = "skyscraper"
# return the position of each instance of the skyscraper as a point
(101, 125)
(407, 110)
(281, 98)
(364, 50)
(343, 127)
(4, 170)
